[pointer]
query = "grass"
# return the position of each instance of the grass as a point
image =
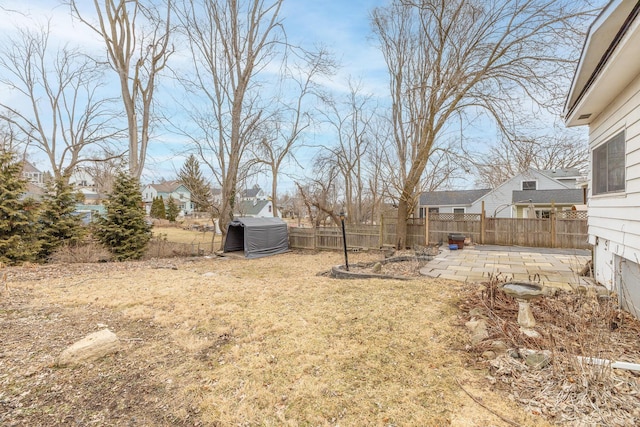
(178, 235)
(262, 342)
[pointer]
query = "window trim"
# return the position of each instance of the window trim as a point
(596, 151)
(535, 181)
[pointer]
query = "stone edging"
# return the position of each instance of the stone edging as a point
(338, 271)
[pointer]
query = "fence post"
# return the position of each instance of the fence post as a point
(483, 224)
(552, 218)
(315, 237)
(426, 225)
(381, 235)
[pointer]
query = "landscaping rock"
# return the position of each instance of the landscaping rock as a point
(478, 330)
(499, 346)
(92, 347)
(537, 360)
(377, 267)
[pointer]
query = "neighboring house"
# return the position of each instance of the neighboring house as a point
(82, 179)
(254, 208)
(543, 189)
(181, 195)
(88, 213)
(605, 95)
(35, 192)
(91, 197)
(254, 193)
(216, 197)
(454, 201)
(32, 174)
(538, 203)
(502, 203)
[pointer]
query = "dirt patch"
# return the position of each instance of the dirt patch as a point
(401, 264)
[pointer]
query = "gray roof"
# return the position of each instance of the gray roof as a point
(251, 192)
(167, 186)
(249, 207)
(564, 196)
(28, 167)
(561, 173)
(452, 197)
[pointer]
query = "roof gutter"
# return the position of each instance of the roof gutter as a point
(605, 57)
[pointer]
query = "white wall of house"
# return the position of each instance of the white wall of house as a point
(81, 178)
(180, 195)
(266, 211)
(614, 219)
(148, 194)
(499, 201)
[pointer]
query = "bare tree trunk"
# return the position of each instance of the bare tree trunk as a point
(401, 224)
(137, 57)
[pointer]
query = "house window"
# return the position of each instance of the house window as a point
(609, 166)
(458, 210)
(422, 212)
(529, 185)
(543, 213)
(434, 210)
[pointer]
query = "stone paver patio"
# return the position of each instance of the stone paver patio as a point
(551, 267)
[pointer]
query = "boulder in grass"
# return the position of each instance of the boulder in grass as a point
(92, 347)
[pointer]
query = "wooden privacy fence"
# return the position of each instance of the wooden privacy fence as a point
(560, 230)
(358, 236)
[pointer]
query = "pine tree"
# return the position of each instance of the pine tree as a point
(172, 210)
(191, 176)
(157, 208)
(123, 230)
(57, 223)
(17, 215)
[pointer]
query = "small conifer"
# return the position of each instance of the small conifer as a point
(172, 210)
(124, 230)
(17, 214)
(57, 222)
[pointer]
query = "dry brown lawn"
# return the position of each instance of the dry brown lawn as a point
(178, 235)
(234, 342)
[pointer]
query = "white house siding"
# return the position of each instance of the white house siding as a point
(500, 199)
(148, 194)
(617, 216)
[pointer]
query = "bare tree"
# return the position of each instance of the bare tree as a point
(450, 58)
(56, 104)
(136, 35)
(561, 149)
(104, 170)
(231, 42)
(351, 122)
(320, 194)
(290, 116)
(11, 139)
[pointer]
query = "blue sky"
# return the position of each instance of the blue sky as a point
(340, 26)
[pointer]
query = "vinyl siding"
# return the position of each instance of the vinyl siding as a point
(616, 217)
